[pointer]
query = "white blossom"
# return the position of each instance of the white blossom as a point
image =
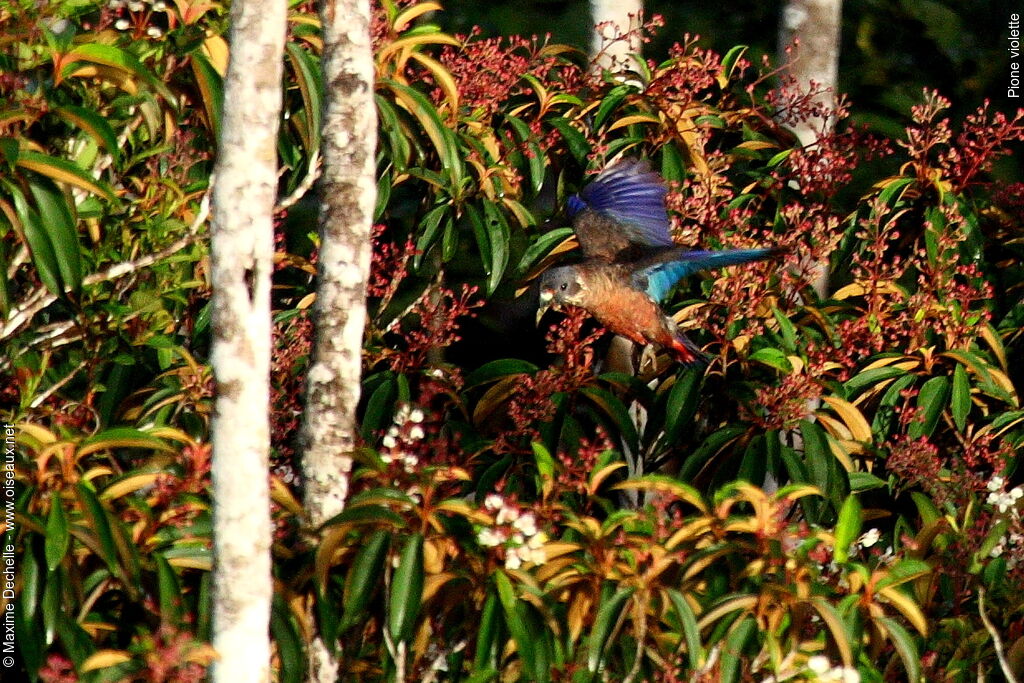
(122, 24)
(526, 523)
(493, 501)
(869, 538)
(507, 514)
(490, 538)
(819, 664)
(1004, 501)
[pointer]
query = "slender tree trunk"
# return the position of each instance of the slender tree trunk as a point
(349, 194)
(816, 25)
(615, 37)
(241, 251)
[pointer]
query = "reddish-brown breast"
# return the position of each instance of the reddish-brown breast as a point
(623, 309)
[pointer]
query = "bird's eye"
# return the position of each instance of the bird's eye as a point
(565, 286)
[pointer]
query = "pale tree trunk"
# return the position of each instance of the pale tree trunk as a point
(816, 25)
(615, 36)
(241, 250)
(348, 196)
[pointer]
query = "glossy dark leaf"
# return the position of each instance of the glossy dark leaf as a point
(607, 616)
(364, 578)
(57, 536)
(932, 400)
(960, 403)
(406, 590)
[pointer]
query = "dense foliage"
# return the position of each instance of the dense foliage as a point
(832, 498)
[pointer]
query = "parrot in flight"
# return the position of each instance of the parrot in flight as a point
(630, 262)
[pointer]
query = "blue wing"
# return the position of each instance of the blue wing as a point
(634, 197)
(658, 275)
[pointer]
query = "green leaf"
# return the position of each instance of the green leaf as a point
(57, 537)
(498, 237)
(893, 191)
(290, 652)
(540, 247)
(499, 369)
(847, 528)
(393, 132)
(885, 415)
(822, 467)
(362, 579)
(612, 100)
(530, 650)
(868, 378)
(864, 481)
(430, 228)
(673, 165)
(39, 244)
(115, 58)
(534, 157)
(773, 358)
(691, 632)
(545, 466)
(577, 143)
(169, 591)
(309, 79)
(682, 403)
(960, 404)
(99, 523)
(616, 412)
(126, 437)
(77, 643)
(93, 124)
(904, 646)
(712, 445)
(374, 515)
(931, 400)
(604, 623)
(903, 571)
(487, 636)
(56, 219)
(211, 89)
(65, 171)
(406, 590)
(730, 59)
(735, 642)
(440, 135)
(786, 329)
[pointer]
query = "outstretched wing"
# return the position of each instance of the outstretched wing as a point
(658, 274)
(622, 210)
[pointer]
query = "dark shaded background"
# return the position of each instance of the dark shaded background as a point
(891, 48)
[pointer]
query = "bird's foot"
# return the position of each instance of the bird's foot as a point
(648, 358)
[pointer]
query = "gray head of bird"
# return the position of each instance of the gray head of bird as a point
(559, 287)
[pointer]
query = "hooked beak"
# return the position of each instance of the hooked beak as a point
(546, 297)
